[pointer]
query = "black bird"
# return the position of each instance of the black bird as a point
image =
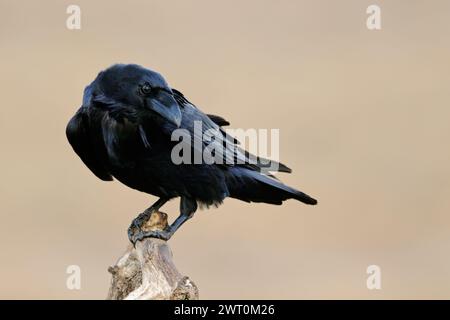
(124, 130)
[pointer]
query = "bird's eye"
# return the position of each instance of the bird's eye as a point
(145, 88)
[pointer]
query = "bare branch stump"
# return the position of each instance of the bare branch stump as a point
(147, 272)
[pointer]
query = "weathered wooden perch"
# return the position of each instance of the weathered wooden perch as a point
(147, 272)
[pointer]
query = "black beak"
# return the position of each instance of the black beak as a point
(166, 106)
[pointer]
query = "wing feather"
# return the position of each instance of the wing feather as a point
(227, 148)
(78, 134)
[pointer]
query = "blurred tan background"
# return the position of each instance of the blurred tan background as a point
(364, 119)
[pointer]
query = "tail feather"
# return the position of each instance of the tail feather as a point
(252, 186)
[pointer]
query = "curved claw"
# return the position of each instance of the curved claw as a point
(135, 226)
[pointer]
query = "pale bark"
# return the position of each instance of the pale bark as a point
(147, 272)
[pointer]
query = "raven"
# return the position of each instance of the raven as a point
(124, 130)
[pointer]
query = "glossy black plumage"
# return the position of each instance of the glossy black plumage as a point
(123, 131)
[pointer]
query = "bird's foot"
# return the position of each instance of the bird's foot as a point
(137, 230)
(137, 224)
(158, 234)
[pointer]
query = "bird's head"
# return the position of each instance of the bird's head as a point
(135, 87)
